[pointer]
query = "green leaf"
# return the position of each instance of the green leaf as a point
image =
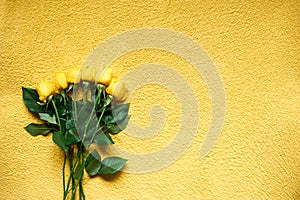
(87, 112)
(93, 155)
(122, 124)
(88, 137)
(46, 117)
(93, 167)
(37, 129)
(112, 165)
(117, 113)
(70, 124)
(71, 138)
(30, 98)
(71, 133)
(103, 139)
(107, 118)
(113, 129)
(120, 108)
(119, 116)
(93, 163)
(84, 113)
(60, 140)
(118, 127)
(78, 172)
(94, 121)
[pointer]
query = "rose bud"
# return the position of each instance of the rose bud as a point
(72, 75)
(104, 76)
(117, 89)
(88, 73)
(60, 81)
(44, 90)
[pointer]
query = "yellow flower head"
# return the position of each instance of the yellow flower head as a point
(117, 89)
(88, 73)
(44, 90)
(60, 81)
(104, 76)
(72, 75)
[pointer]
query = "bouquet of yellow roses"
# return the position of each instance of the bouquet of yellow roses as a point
(81, 108)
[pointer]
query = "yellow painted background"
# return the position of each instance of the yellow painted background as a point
(255, 46)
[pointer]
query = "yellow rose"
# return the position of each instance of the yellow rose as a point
(104, 76)
(117, 89)
(44, 90)
(72, 75)
(88, 73)
(60, 81)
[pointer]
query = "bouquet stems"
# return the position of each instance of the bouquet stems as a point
(75, 125)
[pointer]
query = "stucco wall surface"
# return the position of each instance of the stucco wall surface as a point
(255, 46)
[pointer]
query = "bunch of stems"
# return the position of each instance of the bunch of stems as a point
(77, 153)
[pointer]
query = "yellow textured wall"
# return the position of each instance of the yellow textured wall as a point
(255, 46)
